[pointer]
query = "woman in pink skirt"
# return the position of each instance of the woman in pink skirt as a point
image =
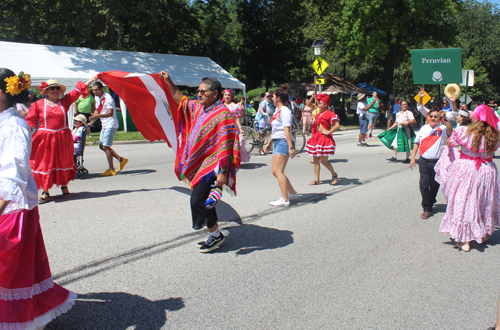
(472, 185)
(321, 145)
(29, 299)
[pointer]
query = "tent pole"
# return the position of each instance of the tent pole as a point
(123, 106)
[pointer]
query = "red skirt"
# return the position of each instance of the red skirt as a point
(28, 296)
(320, 145)
(52, 158)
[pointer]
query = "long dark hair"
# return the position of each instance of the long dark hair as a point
(11, 99)
(282, 93)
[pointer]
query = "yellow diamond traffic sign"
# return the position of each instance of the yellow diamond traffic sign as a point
(319, 65)
(425, 99)
(320, 81)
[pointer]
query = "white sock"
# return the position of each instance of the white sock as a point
(215, 233)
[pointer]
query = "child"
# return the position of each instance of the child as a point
(78, 132)
(29, 299)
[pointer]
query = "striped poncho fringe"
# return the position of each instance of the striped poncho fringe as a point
(207, 141)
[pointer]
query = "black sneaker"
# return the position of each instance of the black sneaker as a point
(392, 160)
(212, 243)
(406, 161)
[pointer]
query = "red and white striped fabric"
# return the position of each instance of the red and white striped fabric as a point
(149, 101)
(431, 140)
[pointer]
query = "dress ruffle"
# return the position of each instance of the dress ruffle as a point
(28, 296)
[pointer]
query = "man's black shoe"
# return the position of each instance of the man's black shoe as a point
(393, 160)
(406, 161)
(212, 243)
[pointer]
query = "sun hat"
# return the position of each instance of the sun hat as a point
(52, 83)
(492, 104)
(81, 118)
(361, 96)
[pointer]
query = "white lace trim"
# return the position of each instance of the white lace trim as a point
(42, 320)
(26, 293)
(52, 130)
(54, 169)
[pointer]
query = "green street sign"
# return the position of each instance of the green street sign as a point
(436, 66)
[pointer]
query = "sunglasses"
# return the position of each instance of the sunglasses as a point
(55, 88)
(434, 116)
(201, 91)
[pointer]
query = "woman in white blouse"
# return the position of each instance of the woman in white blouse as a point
(405, 136)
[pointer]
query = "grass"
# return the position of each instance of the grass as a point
(120, 136)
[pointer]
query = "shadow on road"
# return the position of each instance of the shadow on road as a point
(251, 166)
(134, 172)
(91, 194)
(248, 238)
(117, 311)
(337, 160)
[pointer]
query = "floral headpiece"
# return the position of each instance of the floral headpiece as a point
(16, 84)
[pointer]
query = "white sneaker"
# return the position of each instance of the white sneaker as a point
(280, 202)
(292, 196)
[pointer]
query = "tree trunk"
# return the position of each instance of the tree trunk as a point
(389, 64)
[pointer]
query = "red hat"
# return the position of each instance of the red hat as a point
(323, 98)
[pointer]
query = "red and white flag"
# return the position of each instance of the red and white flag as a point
(149, 101)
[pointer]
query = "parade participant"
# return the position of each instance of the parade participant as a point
(106, 112)
(283, 146)
(208, 153)
(29, 299)
(321, 145)
(52, 154)
(372, 113)
(266, 109)
(472, 184)
(400, 137)
(429, 141)
(362, 112)
(236, 112)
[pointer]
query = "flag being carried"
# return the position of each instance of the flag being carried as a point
(149, 102)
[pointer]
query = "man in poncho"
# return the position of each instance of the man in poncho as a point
(208, 153)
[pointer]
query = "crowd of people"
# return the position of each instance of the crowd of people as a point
(456, 149)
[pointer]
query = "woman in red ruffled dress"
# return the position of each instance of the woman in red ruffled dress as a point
(29, 299)
(52, 154)
(321, 145)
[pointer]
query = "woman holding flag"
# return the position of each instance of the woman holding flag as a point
(52, 147)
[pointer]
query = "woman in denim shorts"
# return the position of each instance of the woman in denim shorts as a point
(283, 145)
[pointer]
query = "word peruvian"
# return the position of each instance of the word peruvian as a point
(436, 60)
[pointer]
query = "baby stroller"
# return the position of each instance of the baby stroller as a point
(81, 171)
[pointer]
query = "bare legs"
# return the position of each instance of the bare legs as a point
(110, 153)
(278, 165)
(323, 160)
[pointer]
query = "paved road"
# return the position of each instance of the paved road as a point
(351, 256)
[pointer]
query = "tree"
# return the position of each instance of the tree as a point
(272, 46)
(383, 30)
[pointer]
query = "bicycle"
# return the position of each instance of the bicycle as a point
(253, 140)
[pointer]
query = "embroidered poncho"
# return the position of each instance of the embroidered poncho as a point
(208, 140)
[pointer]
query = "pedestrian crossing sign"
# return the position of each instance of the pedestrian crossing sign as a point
(425, 99)
(319, 65)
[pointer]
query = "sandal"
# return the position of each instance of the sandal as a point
(313, 183)
(44, 198)
(335, 179)
(66, 194)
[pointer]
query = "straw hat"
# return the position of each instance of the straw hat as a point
(361, 96)
(492, 104)
(52, 83)
(81, 118)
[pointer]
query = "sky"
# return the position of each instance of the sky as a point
(495, 1)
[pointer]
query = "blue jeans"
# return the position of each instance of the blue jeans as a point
(280, 147)
(363, 124)
(372, 117)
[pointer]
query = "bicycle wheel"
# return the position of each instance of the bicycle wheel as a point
(300, 140)
(249, 138)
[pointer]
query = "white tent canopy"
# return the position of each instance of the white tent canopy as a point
(71, 64)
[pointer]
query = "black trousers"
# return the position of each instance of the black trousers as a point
(201, 215)
(428, 186)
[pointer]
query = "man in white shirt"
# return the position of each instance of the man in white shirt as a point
(105, 110)
(430, 139)
(362, 112)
